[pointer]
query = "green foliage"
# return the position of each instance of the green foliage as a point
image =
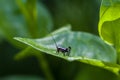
(86, 48)
(109, 25)
(18, 20)
(109, 20)
(28, 22)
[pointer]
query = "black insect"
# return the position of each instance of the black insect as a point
(65, 51)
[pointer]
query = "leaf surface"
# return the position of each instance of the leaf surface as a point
(86, 48)
(110, 21)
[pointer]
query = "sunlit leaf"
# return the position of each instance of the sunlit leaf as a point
(110, 21)
(109, 24)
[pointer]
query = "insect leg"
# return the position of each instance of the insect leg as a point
(69, 50)
(68, 53)
(57, 51)
(64, 53)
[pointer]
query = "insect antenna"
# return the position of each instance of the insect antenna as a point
(54, 41)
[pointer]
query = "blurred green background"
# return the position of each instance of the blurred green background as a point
(35, 19)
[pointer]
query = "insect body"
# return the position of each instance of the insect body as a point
(65, 51)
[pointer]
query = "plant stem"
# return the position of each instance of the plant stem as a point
(29, 51)
(44, 65)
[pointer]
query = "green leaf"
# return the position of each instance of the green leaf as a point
(109, 24)
(38, 17)
(86, 48)
(110, 21)
(13, 21)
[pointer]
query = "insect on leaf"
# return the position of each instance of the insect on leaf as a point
(86, 48)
